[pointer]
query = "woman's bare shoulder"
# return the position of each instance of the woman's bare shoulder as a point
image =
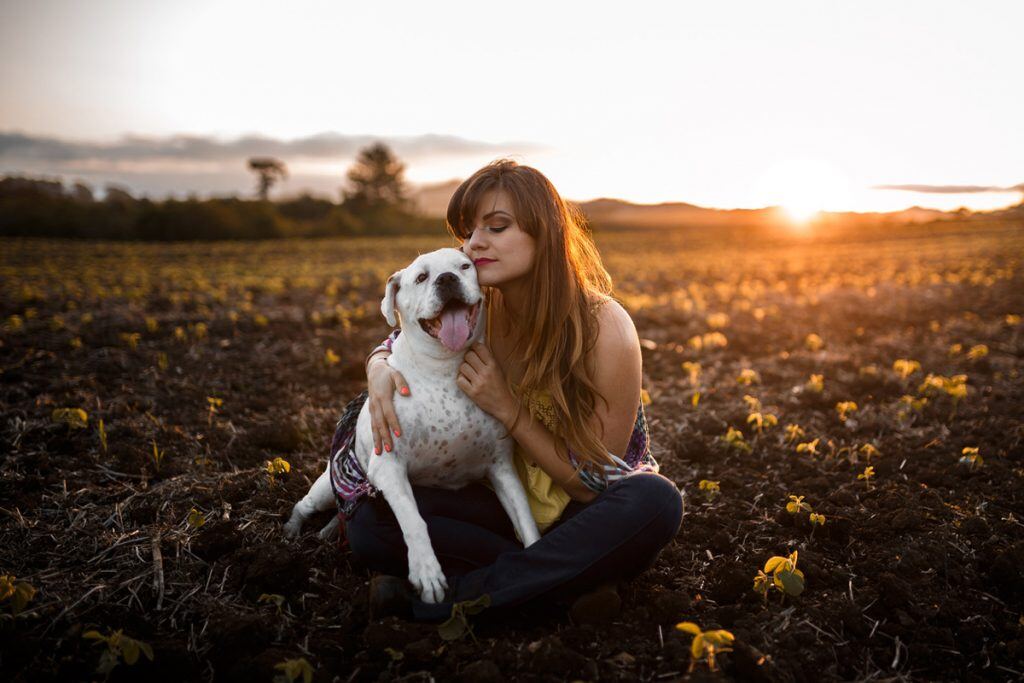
(615, 326)
(617, 343)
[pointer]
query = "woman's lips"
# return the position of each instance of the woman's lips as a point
(482, 262)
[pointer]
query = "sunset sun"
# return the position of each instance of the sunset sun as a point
(803, 187)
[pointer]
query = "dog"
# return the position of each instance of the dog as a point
(447, 440)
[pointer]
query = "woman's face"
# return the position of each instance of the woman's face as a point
(500, 249)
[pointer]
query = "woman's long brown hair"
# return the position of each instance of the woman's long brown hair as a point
(567, 281)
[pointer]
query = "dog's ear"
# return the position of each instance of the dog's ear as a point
(387, 305)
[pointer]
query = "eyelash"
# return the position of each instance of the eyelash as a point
(495, 229)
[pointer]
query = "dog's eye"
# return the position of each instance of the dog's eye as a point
(421, 278)
(465, 266)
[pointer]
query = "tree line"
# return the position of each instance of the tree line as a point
(374, 202)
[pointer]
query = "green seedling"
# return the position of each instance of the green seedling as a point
(195, 518)
(274, 599)
(794, 432)
(844, 408)
(131, 339)
(275, 468)
(457, 626)
(103, 436)
(753, 403)
(816, 521)
(74, 418)
(119, 648)
(692, 372)
(15, 323)
(796, 504)
(786, 578)
(816, 384)
(762, 585)
(293, 669)
(158, 457)
(706, 645)
(162, 362)
(748, 377)
(978, 351)
(971, 458)
(331, 358)
(904, 367)
(869, 451)
(909, 405)
(710, 488)
(867, 475)
(213, 403)
(813, 342)
(17, 593)
(734, 439)
(955, 387)
(762, 421)
(808, 447)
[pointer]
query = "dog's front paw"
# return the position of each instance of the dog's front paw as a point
(426, 576)
(293, 529)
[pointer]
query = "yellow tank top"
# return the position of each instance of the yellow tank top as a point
(547, 499)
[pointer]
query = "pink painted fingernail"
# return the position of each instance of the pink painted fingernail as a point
(387, 447)
(376, 450)
(404, 391)
(397, 433)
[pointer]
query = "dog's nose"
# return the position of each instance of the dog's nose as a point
(447, 285)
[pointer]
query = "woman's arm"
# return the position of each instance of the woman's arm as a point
(381, 383)
(544, 449)
(615, 365)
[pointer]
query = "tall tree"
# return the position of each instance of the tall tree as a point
(375, 181)
(268, 171)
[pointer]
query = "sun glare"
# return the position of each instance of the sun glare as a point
(804, 187)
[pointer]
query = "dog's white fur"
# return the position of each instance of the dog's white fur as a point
(447, 440)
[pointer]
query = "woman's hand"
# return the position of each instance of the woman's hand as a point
(482, 380)
(381, 383)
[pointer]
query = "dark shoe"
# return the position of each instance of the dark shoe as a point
(390, 596)
(599, 606)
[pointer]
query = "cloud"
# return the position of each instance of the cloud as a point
(177, 165)
(951, 189)
(210, 151)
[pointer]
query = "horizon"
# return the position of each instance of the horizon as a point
(726, 109)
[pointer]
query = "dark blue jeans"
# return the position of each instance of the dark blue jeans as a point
(615, 536)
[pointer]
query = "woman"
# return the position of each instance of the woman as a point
(561, 369)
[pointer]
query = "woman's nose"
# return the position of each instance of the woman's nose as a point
(476, 240)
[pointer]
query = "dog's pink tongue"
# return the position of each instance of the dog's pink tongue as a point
(454, 328)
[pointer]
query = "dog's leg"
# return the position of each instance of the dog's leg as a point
(330, 530)
(390, 477)
(512, 497)
(319, 498)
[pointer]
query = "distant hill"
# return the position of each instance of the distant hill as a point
(432, 200)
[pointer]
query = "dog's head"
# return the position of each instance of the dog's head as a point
(436, 296)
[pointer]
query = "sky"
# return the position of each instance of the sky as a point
(809, 104)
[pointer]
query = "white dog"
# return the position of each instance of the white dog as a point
(447, 440)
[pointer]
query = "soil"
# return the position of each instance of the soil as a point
(917, 573)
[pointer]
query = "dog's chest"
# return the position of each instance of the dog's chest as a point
(447, 440)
